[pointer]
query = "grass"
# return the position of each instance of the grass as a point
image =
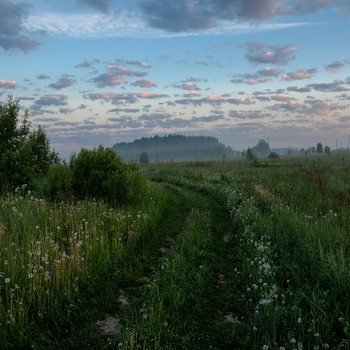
(282, 273)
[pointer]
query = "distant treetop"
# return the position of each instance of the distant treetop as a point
(174, 147)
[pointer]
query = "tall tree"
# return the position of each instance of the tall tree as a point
(23, 154)
(319, 148)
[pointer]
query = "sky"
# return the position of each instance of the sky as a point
(100, 72)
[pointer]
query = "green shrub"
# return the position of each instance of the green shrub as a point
(100, 173)
(59, 178)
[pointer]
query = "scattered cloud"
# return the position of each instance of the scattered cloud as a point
(64, 82)
(261, 53)
(116, 76)
(42, 76)
(155, 116)
(99, 5)
(280, 97)
(258, 114)
(84, 64)
(334, 67)
(209, 119)
(300, 74)
(189, 86)
(124, 110)
(12, 16)
(270, 72)
(8, 84)
(145, 83)
(113, 97)
(52, 100)
(329, 87)
(297, 89)
(150, 95)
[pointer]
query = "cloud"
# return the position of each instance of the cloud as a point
(259, 77)
(116, 76)
(99, 5)
(300, 74)
(209, 119)
(42, 76)
(260, 53)
(270, 72)
(189, 15)
(334, 67)
(57, 100)
(150, 95)
(155, 116)
(124, 110)
(8, 84)
(11, 24)
(62, 83)
(134, 63)
(297, 89)
(280, 97)
(84, 64)
(192, 94)
(309, 107)
(52, 100)
(145, 83)
(177, 16)
(189, 86)
(248, 114)
(113, 97)
(328, 87)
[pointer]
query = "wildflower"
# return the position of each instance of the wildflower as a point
(255, 329)
(293, 341)
(299, 320)
(30, 275)
(265, 347)
(7, 280)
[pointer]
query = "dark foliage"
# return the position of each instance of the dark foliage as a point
(25, 155)
(100, 173)
(175, 147)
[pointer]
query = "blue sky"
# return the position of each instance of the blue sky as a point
(104, 71)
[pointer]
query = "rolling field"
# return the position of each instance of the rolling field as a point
(219, 255)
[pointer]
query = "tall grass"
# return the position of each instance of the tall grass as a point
(290, 227)
(47, 251)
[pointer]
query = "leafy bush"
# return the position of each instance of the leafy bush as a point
(100, 173)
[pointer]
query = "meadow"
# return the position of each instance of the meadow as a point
(226, 254)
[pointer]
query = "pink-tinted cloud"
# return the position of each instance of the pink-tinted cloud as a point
(8, 84)
(256, 81)
(280, 97)
(334, 67)
(258, 53)
(300, 74)
(270, 72)
(192, 94)
(113, 97)
(213, 98)
(150, 95)
(145, 83)
(189, 86)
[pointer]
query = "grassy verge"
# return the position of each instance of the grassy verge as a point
(60, 263)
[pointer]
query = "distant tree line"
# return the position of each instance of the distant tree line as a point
(173, 147)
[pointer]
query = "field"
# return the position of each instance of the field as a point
(225, 254)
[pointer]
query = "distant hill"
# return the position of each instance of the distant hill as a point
(174, 147)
